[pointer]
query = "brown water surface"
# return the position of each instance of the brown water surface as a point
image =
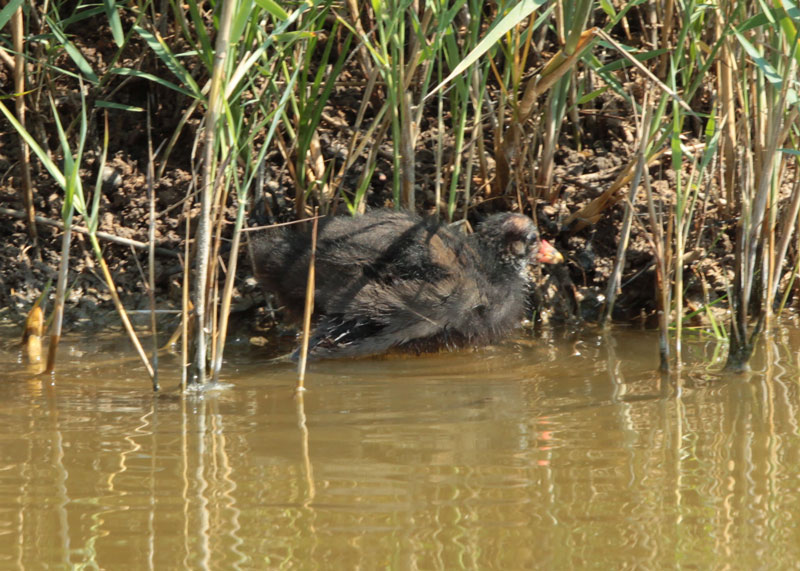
(555, 453)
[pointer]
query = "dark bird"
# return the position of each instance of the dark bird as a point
(391, 280)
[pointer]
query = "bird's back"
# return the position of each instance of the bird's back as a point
(381, 246)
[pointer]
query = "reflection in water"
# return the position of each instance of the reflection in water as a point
(547, 453)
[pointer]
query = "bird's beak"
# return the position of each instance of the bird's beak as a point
(547, 254)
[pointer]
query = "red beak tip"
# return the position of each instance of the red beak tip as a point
(548, 254)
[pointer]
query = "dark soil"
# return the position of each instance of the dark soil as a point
(570, 294)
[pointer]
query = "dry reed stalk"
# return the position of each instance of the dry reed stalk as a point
(80, 230)
(112, 289)
(667, 23)
(227, 293)
(218, 219)
(17, 32)
(726, 63)
(61, 291)
(151, 252)
(309, 309)
(594, 210)
(186, 314)
(408, 138)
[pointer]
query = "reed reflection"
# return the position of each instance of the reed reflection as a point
(538, 454)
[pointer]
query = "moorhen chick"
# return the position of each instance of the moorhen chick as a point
(391, 280)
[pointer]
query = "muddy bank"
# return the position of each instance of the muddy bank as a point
(572, 293)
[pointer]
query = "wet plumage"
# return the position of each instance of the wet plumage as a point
(390, 280)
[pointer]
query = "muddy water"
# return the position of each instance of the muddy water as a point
(555, 453)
